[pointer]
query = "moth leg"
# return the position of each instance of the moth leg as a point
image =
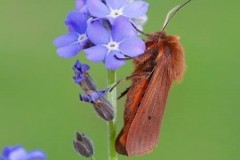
(128, 78)
(150, 73)
(123, 93)
(122, 80)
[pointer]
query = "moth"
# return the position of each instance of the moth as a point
(155, 71)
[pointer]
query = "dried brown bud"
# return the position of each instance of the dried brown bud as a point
(83, 145)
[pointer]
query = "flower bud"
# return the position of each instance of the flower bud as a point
(83, 145)
(101, 105)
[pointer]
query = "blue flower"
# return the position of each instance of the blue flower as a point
(112, 9)
(81, 6)
(19, 153)
(82, 77)
(112, 46)
(93, 96)
(71, 44)
(80, 70)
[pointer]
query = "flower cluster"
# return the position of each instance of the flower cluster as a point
(19, 153)
(105, 30)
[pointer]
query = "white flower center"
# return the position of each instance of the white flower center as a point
(115, 13)
(82, 37)
(112, 46)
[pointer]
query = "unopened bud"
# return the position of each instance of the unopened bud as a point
(83, 145)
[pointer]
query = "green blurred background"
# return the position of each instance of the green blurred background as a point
(39, 104)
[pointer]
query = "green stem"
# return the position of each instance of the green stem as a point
(112, 98)
(93, 158)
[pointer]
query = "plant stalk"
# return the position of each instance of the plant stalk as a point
(112, 98)
(93, 158)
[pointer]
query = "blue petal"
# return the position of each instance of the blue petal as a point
(135, 9)
(111, 62)
(102, 93)
(97, 8)
(19, 154)
(9, 149)
(96, 53)
(77, 21)
(122, 28)
(79, 70)
(140, 20)
(78, 78)
(85, 98)
(65, 40)
(132, 47)
(115, 4)
(97, 33)
(79, 4)
(70, 50)
(80, 67)
(93, 96)
(36, 154)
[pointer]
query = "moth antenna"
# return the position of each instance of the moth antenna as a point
(145, 34)
(172, 13)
